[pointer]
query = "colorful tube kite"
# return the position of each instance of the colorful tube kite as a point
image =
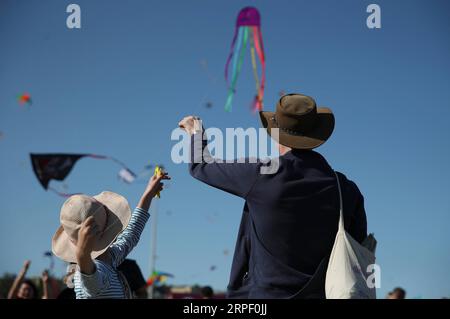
(49, 254)
(248, 29)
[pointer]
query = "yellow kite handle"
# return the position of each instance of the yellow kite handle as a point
(158, 172)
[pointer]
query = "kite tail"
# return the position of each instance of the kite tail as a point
(254, 66)
(97, 156)
(65, 195)
(235, 55)
(115, 160)
(120, 163)
(237, 65)
(255, 103)
(233, 43)
(257, 38)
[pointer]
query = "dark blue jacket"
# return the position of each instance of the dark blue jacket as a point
(289, 222)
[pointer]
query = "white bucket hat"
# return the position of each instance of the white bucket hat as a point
(111, 213)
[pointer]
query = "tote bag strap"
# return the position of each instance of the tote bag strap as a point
(341, 210)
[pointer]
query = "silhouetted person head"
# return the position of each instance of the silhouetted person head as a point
(207, 292)
(397, 293)
(67, 293)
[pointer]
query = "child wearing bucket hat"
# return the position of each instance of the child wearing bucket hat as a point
(97, 233)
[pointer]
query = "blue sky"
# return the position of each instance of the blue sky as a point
(119, 85)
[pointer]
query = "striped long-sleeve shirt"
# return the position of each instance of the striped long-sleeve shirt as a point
(106, 281)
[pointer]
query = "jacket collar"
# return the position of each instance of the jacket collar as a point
(309, 157)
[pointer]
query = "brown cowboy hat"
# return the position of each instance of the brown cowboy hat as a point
(301, 124)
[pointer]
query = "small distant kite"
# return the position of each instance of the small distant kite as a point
(248, 26)
(25, 98)
(57, 166)
(204, 64)
(49, 254)
(226, 252)
(212, 218)
(206, 102)
(212, 268)
(158, 277)
(1, 135)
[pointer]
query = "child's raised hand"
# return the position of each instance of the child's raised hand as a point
(45, 276)
(26, 264)
(190, 124)
(87, 237)
(153, 188)
(25, 267)
(155, 185)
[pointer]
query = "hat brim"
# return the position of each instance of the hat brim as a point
(314, 138)
(119, 214)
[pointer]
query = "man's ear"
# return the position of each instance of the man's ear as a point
(283, 149)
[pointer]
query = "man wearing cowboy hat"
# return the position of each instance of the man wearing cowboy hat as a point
(290, 218)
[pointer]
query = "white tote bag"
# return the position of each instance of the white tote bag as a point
(347, 272)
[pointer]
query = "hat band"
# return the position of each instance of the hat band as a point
(289, 131)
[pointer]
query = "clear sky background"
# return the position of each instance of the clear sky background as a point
(119, 85)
